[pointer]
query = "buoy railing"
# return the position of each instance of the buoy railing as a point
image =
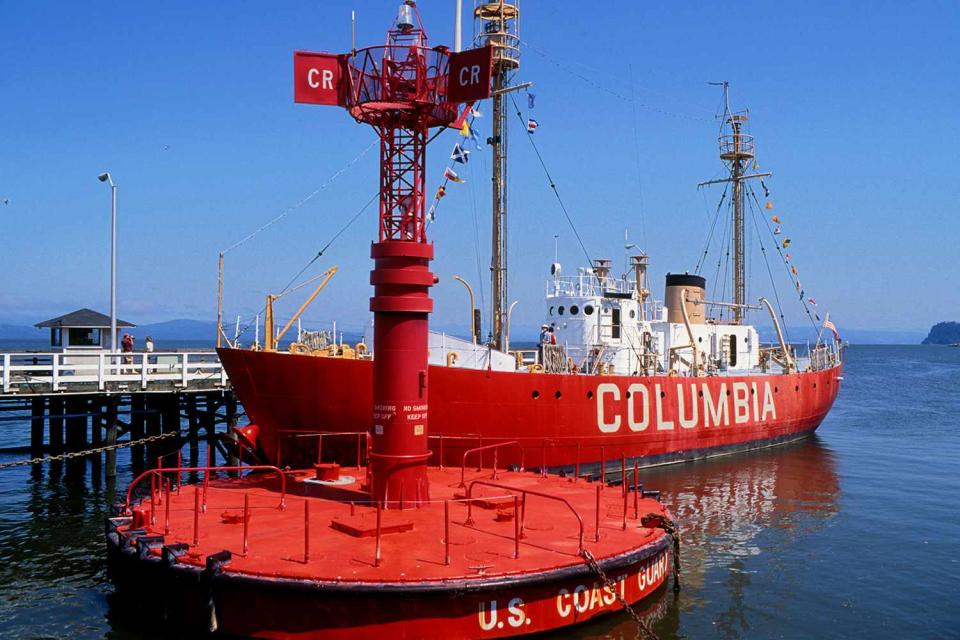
(490, 447)
(159, 473)
(523, 499)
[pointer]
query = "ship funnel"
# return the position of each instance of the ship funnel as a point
(695, 287)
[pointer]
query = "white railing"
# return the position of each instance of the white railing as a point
(77, 371)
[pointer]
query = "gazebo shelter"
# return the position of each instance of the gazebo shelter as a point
(81, 330)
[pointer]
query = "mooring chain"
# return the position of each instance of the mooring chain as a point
(88, 452)
(660, 521)
(643, 629)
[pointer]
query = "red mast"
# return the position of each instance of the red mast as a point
(401, 89)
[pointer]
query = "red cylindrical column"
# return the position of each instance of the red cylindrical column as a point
(401, 304)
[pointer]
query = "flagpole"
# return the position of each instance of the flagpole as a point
(820, 333)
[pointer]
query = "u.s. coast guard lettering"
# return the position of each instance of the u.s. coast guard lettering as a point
(665, 406)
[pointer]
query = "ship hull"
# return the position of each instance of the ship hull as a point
(557, 420)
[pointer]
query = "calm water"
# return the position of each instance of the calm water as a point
(853, 534)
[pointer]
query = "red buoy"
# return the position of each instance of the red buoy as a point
(390, 547)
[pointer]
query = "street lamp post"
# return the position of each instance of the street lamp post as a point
(473, 315)
(105, 177)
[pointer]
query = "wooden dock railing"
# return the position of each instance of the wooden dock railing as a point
(25, 373)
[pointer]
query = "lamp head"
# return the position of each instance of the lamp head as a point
(105, 177)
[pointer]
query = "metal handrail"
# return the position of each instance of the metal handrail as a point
(495, 447)
(207, 470)
(524, 493)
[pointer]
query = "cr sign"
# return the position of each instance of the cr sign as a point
(317, 78)
(469, 75)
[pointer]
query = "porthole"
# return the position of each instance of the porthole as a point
(663, 394)
(535, 394)
(814, 385)
(574, 310)
(551, 310)
(557, 395)
(776, 389)
(589, 395)
(588, 309)
(628, 395)
(560, 310)
(700, 339)
(701, 393)
(796, 388)
(746, 339)
(633, 314)
(752, 391)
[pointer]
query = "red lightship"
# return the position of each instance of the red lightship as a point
(665, 381)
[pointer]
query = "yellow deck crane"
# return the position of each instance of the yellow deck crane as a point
(270, 340)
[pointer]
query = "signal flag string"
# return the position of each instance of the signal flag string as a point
(553, 186)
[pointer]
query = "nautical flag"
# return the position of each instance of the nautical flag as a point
(828, 324)
(775, 218)
(475, 113)
(531, 98)
(777, 230)
(812, 301)
(476, 138)
(532, 125)
(441, 191)
(786, 243)
(465, 129)
(769, 205)
(460, 154)
(793, 270)
(787, 258)
(450, 174)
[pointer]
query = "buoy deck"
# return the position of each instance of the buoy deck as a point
(335, 537)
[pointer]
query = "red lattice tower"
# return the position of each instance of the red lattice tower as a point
(402, 89)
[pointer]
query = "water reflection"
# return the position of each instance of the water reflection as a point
(730, 510)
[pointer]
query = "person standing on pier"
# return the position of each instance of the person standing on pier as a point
(126, 345)
(148, 348)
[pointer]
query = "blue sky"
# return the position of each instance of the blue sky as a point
(189, 105)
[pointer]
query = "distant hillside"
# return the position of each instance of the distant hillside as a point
(177, 330)
(943, 333)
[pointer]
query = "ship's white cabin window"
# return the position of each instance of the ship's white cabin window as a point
(588, 309)
(560, 310)
(615, 324)
(551, 310)
(633, 314)
(574, 310)
(733, 350)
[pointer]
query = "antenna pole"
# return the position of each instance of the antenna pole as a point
(498, 24)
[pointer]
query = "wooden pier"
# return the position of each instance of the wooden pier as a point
(78, 403)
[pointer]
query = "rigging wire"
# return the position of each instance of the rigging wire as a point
(716, 216)
(766, 261)
(476, 238)
(553, 185)
(786, 266)
(636, 146)
(339, 233)
(302, 201)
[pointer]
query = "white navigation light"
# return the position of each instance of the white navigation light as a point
(405, 17)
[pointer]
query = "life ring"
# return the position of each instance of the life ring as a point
(299, 347)
(535, 368)
(361, 349)
(452, 358)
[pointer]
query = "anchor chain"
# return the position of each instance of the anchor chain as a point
(660, 521)
(88, 452)
(643, 629)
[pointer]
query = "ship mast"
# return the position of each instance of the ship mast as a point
(498, 24)
(736, 150)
